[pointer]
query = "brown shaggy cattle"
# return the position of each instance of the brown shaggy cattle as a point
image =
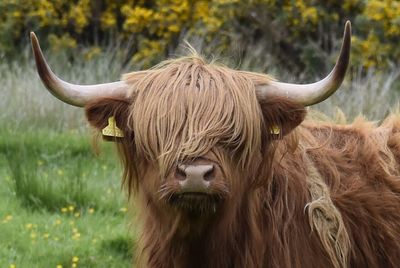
(227, 173)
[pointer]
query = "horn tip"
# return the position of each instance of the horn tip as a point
(33, 36)
(34, 41)
(347, 27)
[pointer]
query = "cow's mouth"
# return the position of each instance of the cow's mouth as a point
(196, 202)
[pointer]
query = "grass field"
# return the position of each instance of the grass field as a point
(60, 204)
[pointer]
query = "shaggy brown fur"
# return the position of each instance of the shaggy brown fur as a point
(316, 195)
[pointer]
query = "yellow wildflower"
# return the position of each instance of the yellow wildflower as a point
(76, 236)
(123, 209)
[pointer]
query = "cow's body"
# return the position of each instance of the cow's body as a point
(359, 166)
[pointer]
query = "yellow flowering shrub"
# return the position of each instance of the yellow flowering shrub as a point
(156, 27)
(59, 43)
(380, 22)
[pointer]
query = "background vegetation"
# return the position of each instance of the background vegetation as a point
(298, 32)
(60, 203)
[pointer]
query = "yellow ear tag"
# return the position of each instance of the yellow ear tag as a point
(275, 130)
(112, 130)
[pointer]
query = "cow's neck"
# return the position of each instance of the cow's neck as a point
(211, 243)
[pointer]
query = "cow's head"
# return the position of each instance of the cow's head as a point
(195, 134)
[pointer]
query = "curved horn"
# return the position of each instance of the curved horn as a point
(309, 94)
(77, 95)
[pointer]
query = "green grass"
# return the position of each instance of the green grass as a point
(47, 166)
(58, 201)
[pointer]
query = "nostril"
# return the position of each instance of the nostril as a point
(209, 174)
(180, 173)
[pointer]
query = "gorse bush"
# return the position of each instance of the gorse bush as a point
(295, 31)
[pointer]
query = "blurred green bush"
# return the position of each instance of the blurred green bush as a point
(299, 32)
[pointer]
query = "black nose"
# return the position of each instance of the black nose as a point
(195, 172)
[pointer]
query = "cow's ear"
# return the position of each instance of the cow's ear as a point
(281, 116)
(99, 111)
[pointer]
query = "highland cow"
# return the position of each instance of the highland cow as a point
(227, 172)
